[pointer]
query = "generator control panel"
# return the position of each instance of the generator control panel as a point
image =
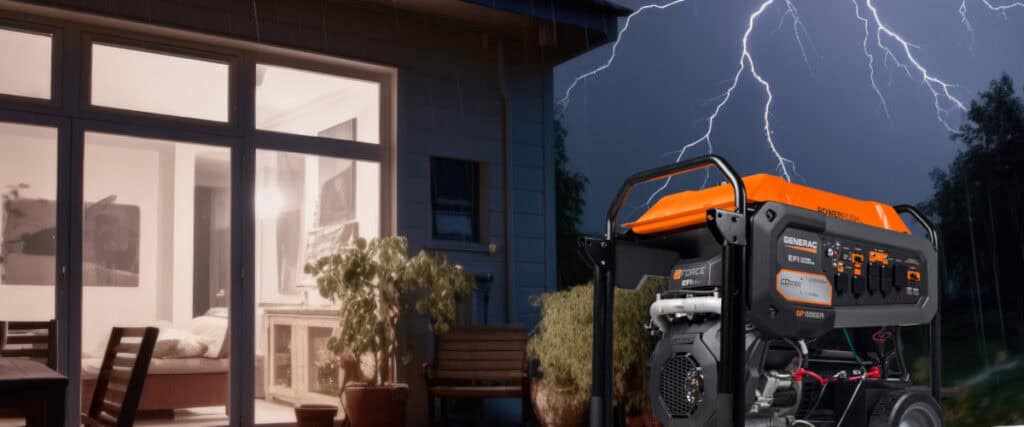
(866, 275)
(811, 273)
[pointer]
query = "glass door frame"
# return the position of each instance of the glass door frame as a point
(63, 288)
(243, 329)
(73, 309)
(69, 111)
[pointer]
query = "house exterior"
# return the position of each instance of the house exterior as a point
(162, 161)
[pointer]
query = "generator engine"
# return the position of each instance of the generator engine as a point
(828, 282)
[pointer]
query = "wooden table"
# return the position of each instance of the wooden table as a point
(35, 388)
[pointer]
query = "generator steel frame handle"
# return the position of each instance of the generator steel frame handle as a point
(935, 327)
(730, 229)
(739, 191)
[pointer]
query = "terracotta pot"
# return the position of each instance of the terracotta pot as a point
(643, 419)
(376, 406)
(315, 415)
(551, 415)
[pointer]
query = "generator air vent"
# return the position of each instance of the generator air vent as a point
(681, 385)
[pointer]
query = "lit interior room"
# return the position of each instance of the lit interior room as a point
(157, 224)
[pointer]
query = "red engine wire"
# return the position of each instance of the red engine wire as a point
(873, 373)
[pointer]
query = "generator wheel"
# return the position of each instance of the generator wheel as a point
(907, 409)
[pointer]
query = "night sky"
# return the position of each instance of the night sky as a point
(672, 64)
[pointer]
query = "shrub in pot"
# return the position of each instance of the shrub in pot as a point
(563, 348)
(373, 283)
(634, 345)
(561, 345)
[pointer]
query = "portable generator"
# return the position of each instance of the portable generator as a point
(783, 307)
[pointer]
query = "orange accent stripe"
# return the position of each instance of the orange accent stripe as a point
(801, 248)
(688, 208)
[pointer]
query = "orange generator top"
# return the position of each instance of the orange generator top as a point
(688, 208)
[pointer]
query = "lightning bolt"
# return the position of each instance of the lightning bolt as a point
(1001, 9)
(870, 58)
(944, 100)
(890, 44)
(764, 83)
(564, 102)
(798, 25)
(746, 61)
(963, 17)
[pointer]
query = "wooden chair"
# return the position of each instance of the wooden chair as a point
(122, 375)
(478, 362)
(34, 340)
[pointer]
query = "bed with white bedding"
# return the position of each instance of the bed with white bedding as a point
(189, 368)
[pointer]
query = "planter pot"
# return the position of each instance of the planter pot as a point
(633, 383)
(376, 406)
(644, 419)
(551, 413)
(315, 415)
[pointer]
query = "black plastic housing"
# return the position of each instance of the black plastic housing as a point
(795, 252)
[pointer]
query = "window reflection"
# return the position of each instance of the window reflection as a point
(28, 221)
(140, 80)
(26, 69)
(302, 102)
(306, 207)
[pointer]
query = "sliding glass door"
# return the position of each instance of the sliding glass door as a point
(156, 233)
(29, 178)
(28, 221)
(306, 207)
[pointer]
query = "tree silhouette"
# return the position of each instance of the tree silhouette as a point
(977, 206)
(569, 204)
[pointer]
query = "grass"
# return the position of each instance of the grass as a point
(984, 385)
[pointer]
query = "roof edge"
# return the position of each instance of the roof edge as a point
(593, 15)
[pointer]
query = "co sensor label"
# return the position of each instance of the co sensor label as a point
(803, 287)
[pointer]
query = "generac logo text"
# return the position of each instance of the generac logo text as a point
(803, 243)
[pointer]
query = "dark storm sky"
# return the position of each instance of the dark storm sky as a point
(672, 63)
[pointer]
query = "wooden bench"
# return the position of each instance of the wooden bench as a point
(478, 362)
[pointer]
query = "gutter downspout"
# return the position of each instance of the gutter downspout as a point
(507, 179)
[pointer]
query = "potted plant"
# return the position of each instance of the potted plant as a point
(633, 346)
(372, 283)
(563, 348)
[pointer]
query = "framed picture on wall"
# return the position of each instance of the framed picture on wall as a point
(335, 222)
(324, 241)
(337, 193)
(110, 243)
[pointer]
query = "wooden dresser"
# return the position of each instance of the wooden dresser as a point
(298, 366)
